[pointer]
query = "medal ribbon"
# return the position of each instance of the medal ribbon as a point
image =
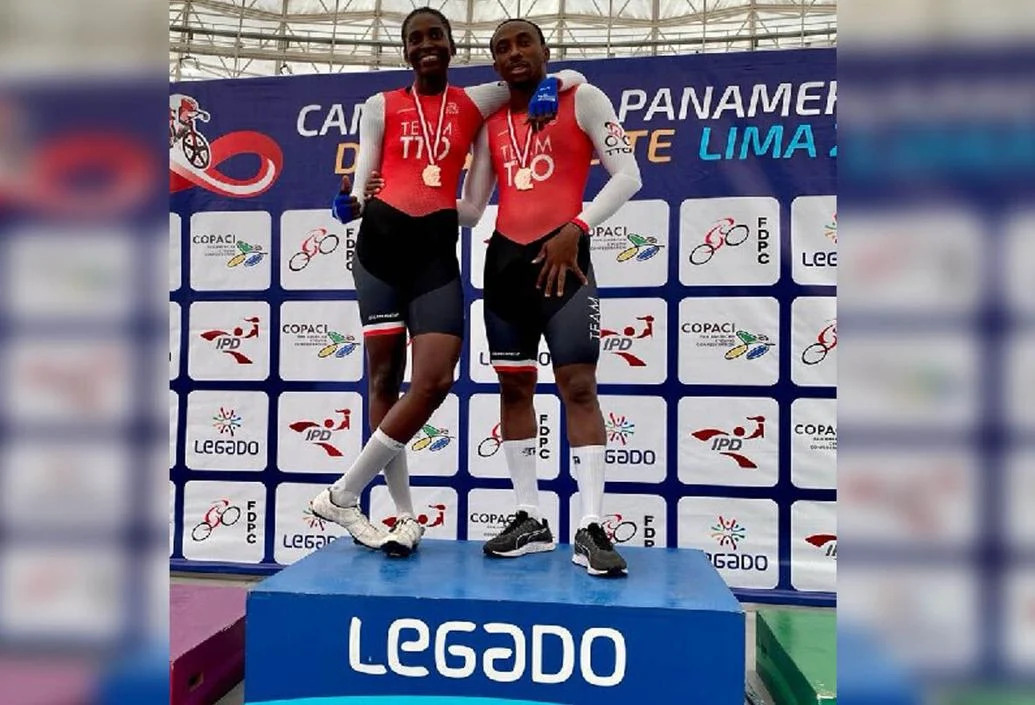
(432, 154)
(522, 156)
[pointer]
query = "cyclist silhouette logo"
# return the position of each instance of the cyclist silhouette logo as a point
(423, 519)
(194, 158)
(221, 513)
(491, 445)
(318, 241)
(825, 343)
(184, 114)
(726, 231)
(618, 529)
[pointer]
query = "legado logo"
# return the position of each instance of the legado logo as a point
(727, 231)
(506, 663)
(320, 241)
(823, 258)
(621, 529)
(827, 543)
(227, 422)
(423, 519)
(728, 443)
(434, 439)
(826, 341)
(728, 533)
(619, 343)
(309, 541)
(491, 445)
(320, 433)
(229, 342)
(223, 513)
(620, 429)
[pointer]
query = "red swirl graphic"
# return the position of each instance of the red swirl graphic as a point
(182, 175)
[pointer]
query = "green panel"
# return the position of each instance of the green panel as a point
(796, 653)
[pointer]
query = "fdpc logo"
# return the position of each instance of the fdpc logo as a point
(826, 543)
(229, 342)
(320, 242)
(620, 342)
(622, 529)
(320, 433)
(729, 534)
(826, 341)
(728, 232)
(488, 447)
(224, 513)
(729, 443)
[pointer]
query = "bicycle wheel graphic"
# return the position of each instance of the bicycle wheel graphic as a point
(201, 532)
(814, 354)
(624, 532)
(331, 241)
(488, 447)
(736, 235)
(225, 518)
(298, 261)
(701, 254)
(195, 148)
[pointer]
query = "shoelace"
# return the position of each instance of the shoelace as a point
(596, 532)
(519, 519)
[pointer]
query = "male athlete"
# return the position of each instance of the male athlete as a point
(542, 235)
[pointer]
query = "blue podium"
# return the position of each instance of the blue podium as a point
(347, 626)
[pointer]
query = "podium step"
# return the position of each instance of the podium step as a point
(206, 642)
(796, 655)
(347, 625)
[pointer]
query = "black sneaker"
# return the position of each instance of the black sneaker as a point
(595, 552)
(523, 535)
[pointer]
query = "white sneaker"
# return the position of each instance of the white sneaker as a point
(350, 518)
(402, 540)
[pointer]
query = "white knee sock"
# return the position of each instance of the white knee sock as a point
(521, 463)
(397, 477)
(587, 464)
(376, 454)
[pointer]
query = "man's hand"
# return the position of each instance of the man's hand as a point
(375, 183)
(561, 254)
(542, 108)
(345, 208)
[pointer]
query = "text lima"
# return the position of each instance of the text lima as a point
(751, 141)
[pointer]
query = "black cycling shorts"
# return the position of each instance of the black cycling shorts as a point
(517, 314)
(406, 272)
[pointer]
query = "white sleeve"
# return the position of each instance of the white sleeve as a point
(490, 97)
(479, 183)
(371, 136)
(596, 116)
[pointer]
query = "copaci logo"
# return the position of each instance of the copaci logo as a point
(310, 541)
(507, 661)
(728, 232)
(432, 438)
(630, 246)
(248, 255)
(320, 241)
(227, 246)
(224, 513)
(229, 342)
(728, 443)
(821, 436)
(317, 335)
(619, 342)
(320, 433)
(827, 543)
(727, 334)
(751, 345)
(424, 520)
(193, 158)
(826, 341)
(622, 529)
(729, 533)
